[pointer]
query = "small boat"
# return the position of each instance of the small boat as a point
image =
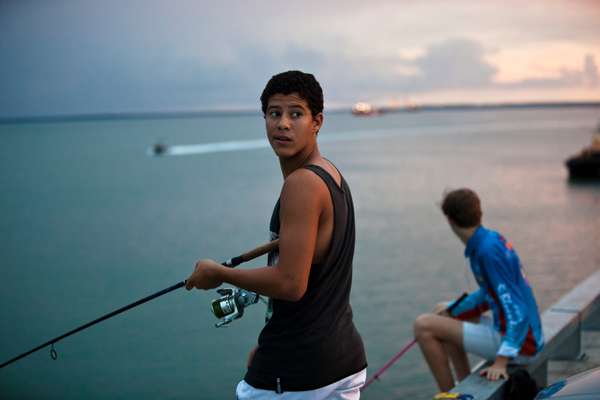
(586, 164)
(159, 148)
(364, 109)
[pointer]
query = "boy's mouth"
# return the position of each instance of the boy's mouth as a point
(281, 138)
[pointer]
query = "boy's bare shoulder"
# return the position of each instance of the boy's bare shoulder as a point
(303, 184)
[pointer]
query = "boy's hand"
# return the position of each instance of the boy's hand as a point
(497, 370)
(205, 275)
(441, 309)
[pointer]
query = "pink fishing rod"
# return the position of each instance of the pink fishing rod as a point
(404, 349)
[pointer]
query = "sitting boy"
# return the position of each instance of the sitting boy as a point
(514, 334)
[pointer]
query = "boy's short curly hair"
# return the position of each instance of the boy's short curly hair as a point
(463, 207)
(305, 85)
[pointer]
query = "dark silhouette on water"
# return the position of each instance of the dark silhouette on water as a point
(159, 148)
(586, 164)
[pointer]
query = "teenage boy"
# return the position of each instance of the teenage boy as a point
(309, 347)
(515, 332)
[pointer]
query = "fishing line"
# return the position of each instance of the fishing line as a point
(405, 349)
(232, 263)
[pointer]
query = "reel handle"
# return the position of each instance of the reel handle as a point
(252, 254)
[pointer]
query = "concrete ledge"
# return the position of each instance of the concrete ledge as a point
(585, 300)
(480, 388)
(561, 332)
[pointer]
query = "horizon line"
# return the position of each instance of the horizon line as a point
(132, 115)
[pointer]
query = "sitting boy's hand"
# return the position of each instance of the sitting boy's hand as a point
(497, 370)
(441, 309)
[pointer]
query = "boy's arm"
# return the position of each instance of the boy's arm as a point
(516, 322)
(302, 202)
(511, 303)
(471, 306)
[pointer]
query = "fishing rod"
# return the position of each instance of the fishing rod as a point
(231, 263)
(405, 348)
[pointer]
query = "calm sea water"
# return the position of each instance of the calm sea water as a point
(90, 222)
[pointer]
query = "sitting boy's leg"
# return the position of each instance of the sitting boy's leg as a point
(457, 354)
(434, 333)
(481, 338)
(459, 359)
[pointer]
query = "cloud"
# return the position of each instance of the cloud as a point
(459, 64)
(587, 76)
(86, 56)
(456, 63)
(452, 64)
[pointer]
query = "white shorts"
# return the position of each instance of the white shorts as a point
(484, 340)
(344, 389)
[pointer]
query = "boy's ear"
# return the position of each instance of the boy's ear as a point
(318, 122)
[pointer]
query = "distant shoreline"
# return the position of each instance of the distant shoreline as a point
(240, 113)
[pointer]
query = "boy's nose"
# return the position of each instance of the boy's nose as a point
(284, 123)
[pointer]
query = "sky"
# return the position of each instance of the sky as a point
(80, 56)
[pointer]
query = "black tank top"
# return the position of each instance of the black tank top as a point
(313, 342)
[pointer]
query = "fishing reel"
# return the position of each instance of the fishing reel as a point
(231, 304)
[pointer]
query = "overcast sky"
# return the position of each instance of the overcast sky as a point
(79, 56)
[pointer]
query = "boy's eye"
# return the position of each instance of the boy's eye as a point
(274, 114)
(296, 114)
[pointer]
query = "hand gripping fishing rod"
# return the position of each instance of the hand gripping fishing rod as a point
(404, 349)
(232, 263)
